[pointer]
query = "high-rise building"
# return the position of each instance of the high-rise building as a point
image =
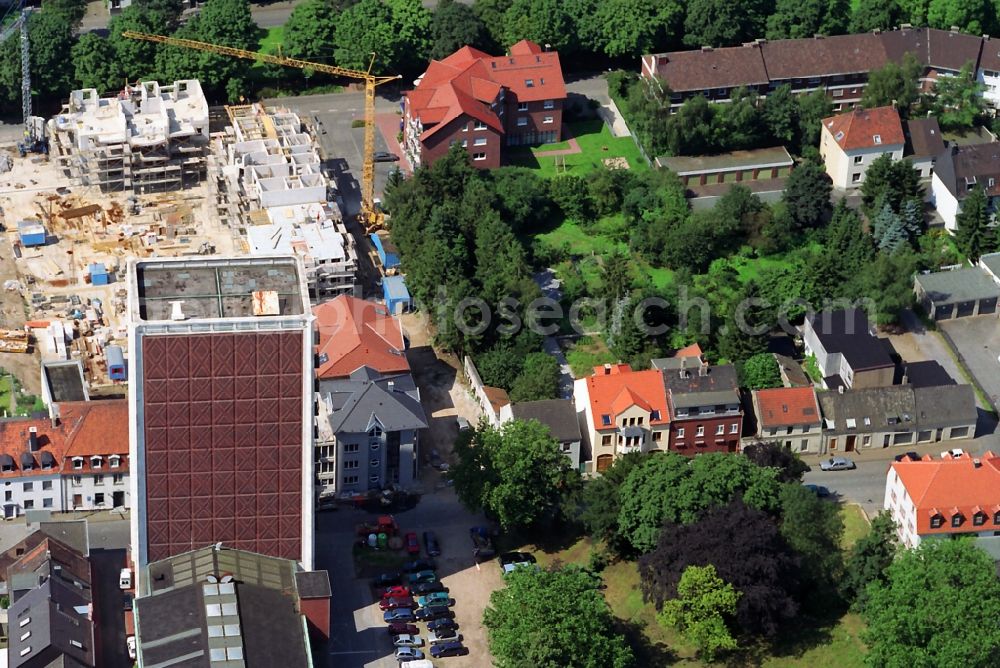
(221, 408)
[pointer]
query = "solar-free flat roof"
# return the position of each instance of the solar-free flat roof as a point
(958, 285)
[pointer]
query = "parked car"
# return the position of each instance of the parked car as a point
(422, 576)
(398, 615)
(386, 156)
(818, 490)
(511, 560)
(398, 602)
(386, 580)
(907, 455)
(419, 564)
(482, 544)
(954, 452)
(399, 628)
(431, 544)
(837, 464)
(412, 544)
(417, 663)
(463, 424)
(407, 640)
(396, 591)
(428, 587)
(435, 598)
(433, 612)
(408, 654)
(453, 648)
(443, 635)
(441, 624)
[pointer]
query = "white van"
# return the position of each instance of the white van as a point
(419, 663)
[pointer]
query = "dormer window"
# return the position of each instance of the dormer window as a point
(877, 139)
(957, 519)
(78, 462)
(115, 461)
(936, 521)
(979, 519)
(654, 416)
(606, 420)
(996, 517)
(96, 462)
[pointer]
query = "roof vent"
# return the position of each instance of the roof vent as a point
(391, 386)
(607, 369)
(955, 29)
(175, 310)
(977, 462)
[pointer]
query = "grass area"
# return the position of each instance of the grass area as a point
(856, 525)
(6, 391)
(587, 353)
(811, 367)
(571, 237)
(596, 145)
(272, 40)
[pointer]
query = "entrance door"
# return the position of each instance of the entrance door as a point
(77, 501)
(849, 446)
(833, 443)
(604, 462)
(119, 499)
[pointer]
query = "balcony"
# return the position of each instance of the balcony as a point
(631, 440)
(623, 449)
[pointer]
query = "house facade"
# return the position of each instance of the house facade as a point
(851, 141)
(705, 410)
(958, 171)
(847, 353)
(484, 103)
(933, 499)
(789, 416)
(622, 411)
(559, 415)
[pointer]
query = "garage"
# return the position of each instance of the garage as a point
(957, 293)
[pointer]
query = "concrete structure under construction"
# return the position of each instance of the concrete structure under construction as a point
(284, 198)
(221, 406)
(148, 138)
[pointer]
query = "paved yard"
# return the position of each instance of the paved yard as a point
(977, 341)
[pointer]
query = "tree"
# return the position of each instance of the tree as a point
(722, 23)
(500, 258)
(869, 561)
(737, 125)
(931, 609)
(769, 454)
(500, 366)
(747, 551)
(673, 488)
(912, 213)
(135, 57)
(539, 379)
(94, 59)
(894, 84)
(813, 528)
(871, 15)
(553, 619)
(798, 19)
(704, 601)
(970, 16)
(541, 21)
(748, 330)
(516, 474)
(51, 36)
(813, 108)
(760, 372)
(311, 29)
(781, 115)
(892, 180)
(972, 234)
(396, 31)
(690, 131)
(600, 502)
(633, 27)
(616, 276)
(957, 101)
(807, 195)
(492, 15)
(887, 283)
(454, 25)
(571, 194)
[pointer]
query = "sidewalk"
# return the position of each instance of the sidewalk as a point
(388, 125)
(608, 111)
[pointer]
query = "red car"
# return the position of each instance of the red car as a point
(399, 602)
(399, 628)
(412, 544)
(396, 591)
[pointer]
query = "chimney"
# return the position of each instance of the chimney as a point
(607, 369)
(54, 415)
(33, 439)
(840, 389)
(703, 370)
(977, 462)
(391, 385)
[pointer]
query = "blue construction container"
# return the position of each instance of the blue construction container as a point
(117, 368)
(31, 233)
(397, 297)
(98, 274)
(388, 254)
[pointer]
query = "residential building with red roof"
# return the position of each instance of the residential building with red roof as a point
(790, 416)
(484, 103)
(943, 498)
(623, 411)
(851, 141)
(354, 333)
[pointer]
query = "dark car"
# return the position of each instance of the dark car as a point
(419, 564)
(398, 602)
(908, 455)
(431, 544)
(818, 490)
(398, 615)
(482, 544)
(396, 628)
(421, 576)
(441, 624)
(427, 587)
(453, 648)
(433, 612)
(386, 580)
(413, 545)
(443, 635)
(385, 156)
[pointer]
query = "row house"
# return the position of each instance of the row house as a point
(838, 65)
(706, 412)
(790, 416)
(76, 460)
(559, 415)
(484, 103)
(950, 497)
(959, 171)
(847, 352)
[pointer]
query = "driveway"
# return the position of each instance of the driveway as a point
(977, 342)
(358, 637)
(551, 287)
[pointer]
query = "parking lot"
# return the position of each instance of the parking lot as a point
(977, 340)
(358, 632)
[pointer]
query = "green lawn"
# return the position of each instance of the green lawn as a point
(272, 40)
(587, 353)
(596, 145)
(6, 390)
(856, 525)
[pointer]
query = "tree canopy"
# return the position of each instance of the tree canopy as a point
(704, 602)
(760, 372)
(770, 454)
(868, 561)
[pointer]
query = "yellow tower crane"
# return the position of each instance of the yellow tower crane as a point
(370, 216)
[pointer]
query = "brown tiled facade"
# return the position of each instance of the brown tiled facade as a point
(223, 442)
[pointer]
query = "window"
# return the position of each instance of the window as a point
(115, 461)
(350, 464)
(478, 156)
(654, 416)
(549, 104)
(118, 478)
(8, 495)
(605, 440)
(680, 432)
(936, 521)
(639, 421)
(522, 106)
(480, 141)
(350, 480)
(29, 504)
(956, 520)
(529, 83)
(479, 126)
(855, 178)
(46, 503)
(95, 462)
(375, 432)
(657, 436)
(734, 428)
(373, 478)
(996, 518)
(858, 159)
(28, 486)
(374, 446)
(547, 119)
(351, 447)
(465, 143)
(46, 484)
(77, 481)
(877, 139)
(700, 431)
(606, 420)
(374, 463)
(720, 429)
(522, 121)
(979, 519)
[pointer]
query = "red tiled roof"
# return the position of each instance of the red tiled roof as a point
(866, 128)
(497, 396)
(355, 333)
(614, 388)
(693, 350)
(952, 485)
(468, 81)
(787, 406)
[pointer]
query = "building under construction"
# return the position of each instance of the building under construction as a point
(148, 138)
